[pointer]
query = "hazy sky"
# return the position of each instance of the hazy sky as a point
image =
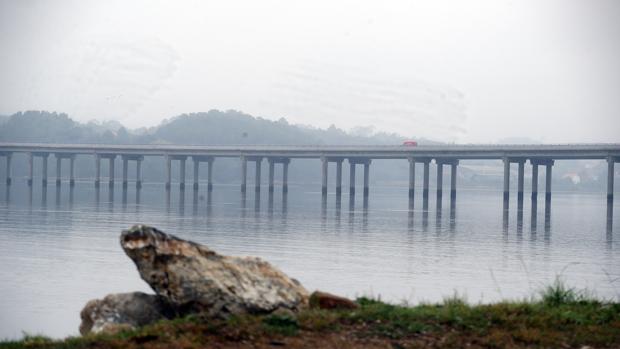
(463, 71)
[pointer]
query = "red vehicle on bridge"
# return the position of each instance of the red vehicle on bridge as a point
(410, 143)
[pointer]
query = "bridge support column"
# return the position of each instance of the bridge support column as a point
(271, 174)
(520, 180)
(548, 163)
(506, 179)
(285, 176)
(339, 177)
(168, 172)
(138, 159)
(44, 180)
(453, 179)
(72, 171)
(125, 171)
(366, 178)
(111, 182)
(210, 175)
(324, 165)
(97, 170)
(30, 169)
(182, 173)
(196, 169)
(351, 178)
(411, 177)
(534, 180)
(8, 168)
(425, 182)
(548, 176)
(259, 162)
(58, 169)
(439, 179)
(610, 178)
(139, 173)
(244, 173)
(197, 159)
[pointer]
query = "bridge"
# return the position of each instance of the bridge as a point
(449, 155)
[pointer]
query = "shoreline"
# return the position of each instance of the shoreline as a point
(559, 317)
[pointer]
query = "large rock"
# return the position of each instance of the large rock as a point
(194, 278)
(123, 311)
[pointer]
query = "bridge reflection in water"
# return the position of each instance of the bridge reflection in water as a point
(205, 199)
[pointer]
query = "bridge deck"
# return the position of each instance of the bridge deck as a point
(470, 151)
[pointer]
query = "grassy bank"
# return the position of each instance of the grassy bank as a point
(560, 318)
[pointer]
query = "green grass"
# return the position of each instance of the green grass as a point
(559, 317)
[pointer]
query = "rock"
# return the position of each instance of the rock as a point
(123, 311)
(195, 279)
(324, 300)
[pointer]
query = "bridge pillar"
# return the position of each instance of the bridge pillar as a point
(351, 178)
(453, 165)
(111, 179)
(610, 178)
(273, 161)
(8, 168)
(425, 182)
(168, 172)
(520, 180)
(411, 177)
(138, 159)
(453, 179)
(549, 167)
(182, 173)
(44, 158)
(139, 173)
(534, 180)
(285, 175)
(506, 179)
(244, 173)
(338, 177)
(439, 179)
(30, 168)
(197, 159)
(125, 171)
(210, 175)
(366, 177)
(271, 173)
(196, 169)
(58, 169)
(59, 158)
(97, 170)
(548, 163)
(353, 162)
(324, 165)
(259, 162)
(72, 171)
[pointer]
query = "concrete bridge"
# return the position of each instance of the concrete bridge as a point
(449, 155)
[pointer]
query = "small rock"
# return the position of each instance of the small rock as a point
(123, 311)
(324, 300)
(195, 279)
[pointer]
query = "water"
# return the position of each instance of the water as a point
(60, 249)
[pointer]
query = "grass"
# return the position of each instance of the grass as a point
(559, 317)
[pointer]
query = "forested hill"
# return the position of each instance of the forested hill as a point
(213, 127)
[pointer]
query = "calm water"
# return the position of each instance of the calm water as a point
(59, 250)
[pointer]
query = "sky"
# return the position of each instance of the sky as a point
(455, 71)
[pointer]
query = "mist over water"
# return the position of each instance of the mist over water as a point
(59, 248)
